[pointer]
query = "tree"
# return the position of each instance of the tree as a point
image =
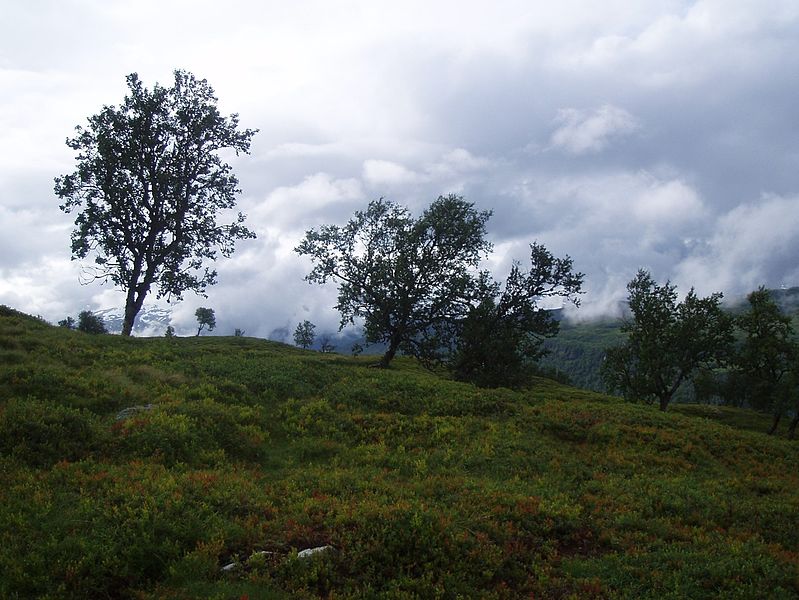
(170, 332)
(766, 358)
(149, 185)
(205, 318)
(406, 278)
(68, 323)
(325, 345)
(304, 334)
(500, 339)
(668, 341)
(88, 322)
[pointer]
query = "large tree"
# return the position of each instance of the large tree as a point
(500, 339)
(766, 360)
(407, 278)
(668, 341)
(149, 187)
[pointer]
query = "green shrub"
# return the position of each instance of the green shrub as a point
(41, 433)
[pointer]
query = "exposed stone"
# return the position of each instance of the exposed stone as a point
(132, 410)
(308, 552)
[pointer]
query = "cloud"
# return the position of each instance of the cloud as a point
(387, 173)
(583, 132)
(318, 197)
(670, 149)
(754, 244)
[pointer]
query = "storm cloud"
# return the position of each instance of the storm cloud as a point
(635, 134)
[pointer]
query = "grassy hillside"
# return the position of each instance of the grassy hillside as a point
(253, 451)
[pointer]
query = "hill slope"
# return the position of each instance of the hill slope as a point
(251, 451)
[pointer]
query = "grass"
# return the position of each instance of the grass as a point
(424, 487)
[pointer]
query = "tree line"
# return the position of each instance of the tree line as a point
(150, 187)
(746, 360)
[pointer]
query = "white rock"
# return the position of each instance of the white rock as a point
(127, 412)
(308, 552)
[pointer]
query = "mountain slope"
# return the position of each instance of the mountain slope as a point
(250, 451)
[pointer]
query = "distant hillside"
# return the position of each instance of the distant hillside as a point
(224, 467)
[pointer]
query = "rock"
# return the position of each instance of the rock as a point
(308, 552)
(235, 565)
(132, 410)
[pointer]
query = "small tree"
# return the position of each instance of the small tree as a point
(238, 332)
(170, 332)
(767, 356)
(205, 318)
(667, 341)
(149, 185)
(500, 339)
(325, 345)
(88, 322)
(406, 278)
(68, 323)
(304, 334)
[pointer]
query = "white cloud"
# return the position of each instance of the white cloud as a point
(317, 197)
(387, 173)
(582, 132)
(676, 109)
(755, 244)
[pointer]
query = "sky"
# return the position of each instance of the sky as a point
(626, 134)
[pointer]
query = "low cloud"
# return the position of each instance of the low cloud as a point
(587, 132)
(755, 244)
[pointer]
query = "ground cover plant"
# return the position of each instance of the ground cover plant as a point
(245, 452)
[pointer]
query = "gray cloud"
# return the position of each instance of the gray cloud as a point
(581, 132)
(654, 134)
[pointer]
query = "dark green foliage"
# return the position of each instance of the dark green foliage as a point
(579, 350)
(68, 323)
(500, 339)
(149, 185)
(668, 341)
(425, 487)
(88, 322)
(41, 433)
(205, 318)
(407, 278)
(304, 334)
(767, 360)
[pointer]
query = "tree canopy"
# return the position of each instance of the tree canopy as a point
(304, 334)
(149, 187)
(407, 278)
(766, 359)
(500, 338)
(205, 318)
(667, 340)
(88, 322)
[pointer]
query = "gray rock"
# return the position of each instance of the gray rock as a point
(308, 552)
(132, 410)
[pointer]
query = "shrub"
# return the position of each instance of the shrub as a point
(43, 433)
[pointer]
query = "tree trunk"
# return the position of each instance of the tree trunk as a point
(792, 426)
(777, 417)
(664, 402)
(393, 346)
(133, 304)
